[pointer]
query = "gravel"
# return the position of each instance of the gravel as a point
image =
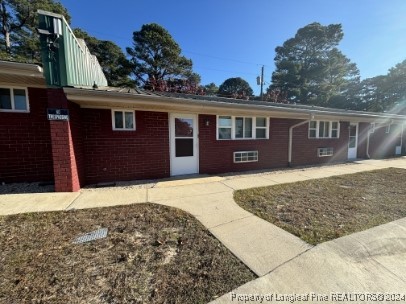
(17, 188)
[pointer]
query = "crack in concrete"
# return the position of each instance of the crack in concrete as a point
(73, 201)
(219, 225)
(222, 182)
(387, 269)
(175, 198)
(290, 260)
(372, 258)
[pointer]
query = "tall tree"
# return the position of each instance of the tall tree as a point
(310, 69)
(114, 63)
(236, 87)
(211, 89)
(18, 21)
(156, 56)
(188, 85)
(384, 92)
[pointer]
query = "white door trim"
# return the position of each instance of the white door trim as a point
(352, 152)
(192, 163)
(398, 149)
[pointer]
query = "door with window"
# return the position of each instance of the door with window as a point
(184, 144)
(398, 140)
(353, 141)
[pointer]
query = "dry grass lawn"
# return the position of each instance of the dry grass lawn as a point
(324, 209)
(152, 254)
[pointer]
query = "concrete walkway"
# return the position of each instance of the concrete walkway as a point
(372, 261)
(284, 263)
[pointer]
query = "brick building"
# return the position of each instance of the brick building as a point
(56, 124)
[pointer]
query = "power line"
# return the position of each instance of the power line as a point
(121, 38)
(219, 70)
(222, 58)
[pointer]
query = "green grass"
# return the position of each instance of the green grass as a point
(324, 209)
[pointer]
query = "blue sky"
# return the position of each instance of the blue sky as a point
(234, 38)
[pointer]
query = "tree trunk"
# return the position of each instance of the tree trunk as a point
(4, 27)
(7, 41)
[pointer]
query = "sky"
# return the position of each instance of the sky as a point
(235, 38)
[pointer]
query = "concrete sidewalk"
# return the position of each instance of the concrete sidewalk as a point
(371, 261)
(263, 247)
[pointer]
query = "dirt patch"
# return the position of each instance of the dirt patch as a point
(152, 254)
(15, 188)
(324, 209)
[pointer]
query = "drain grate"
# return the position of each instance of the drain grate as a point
(91, 236)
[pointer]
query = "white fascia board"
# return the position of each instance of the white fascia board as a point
(108, 99)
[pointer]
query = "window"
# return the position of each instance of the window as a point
(372, 128)
(243, 127)
(261, 127)
(224, 127)
(245, 156)
(123, 120)
(325, 152)
(387, 129)
(231, 127)
(14, 100)
(324, 129)
(312, 129)
(334, 129)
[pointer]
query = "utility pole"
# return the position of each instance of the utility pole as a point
(262, 83)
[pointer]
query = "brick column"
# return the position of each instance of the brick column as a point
(63, 153)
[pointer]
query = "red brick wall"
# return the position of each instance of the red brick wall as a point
(75, 122)
(304, 150)
(381, 144)
(125, 155)
(67, 150)
(25, 142)
(216, 156)
(404, 140)
(363, 130)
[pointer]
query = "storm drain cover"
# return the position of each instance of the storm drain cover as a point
(91, 236)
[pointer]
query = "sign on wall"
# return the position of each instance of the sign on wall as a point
(58, 114)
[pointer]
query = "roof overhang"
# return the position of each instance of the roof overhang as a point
(88, 98)
(22, 69)
(17, 74)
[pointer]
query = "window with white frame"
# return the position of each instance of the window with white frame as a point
(245, 156)
(324, 129)
(322, 152)
(387, 129)
(334, 129)
(261, 127)
(313, 129)
(240, 127)
(372, 128)
(123, 120)
(224, 125)
(14, 99)
(243, 127)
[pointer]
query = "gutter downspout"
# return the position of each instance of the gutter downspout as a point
(367, 152)
(401, 138)
(291, 139)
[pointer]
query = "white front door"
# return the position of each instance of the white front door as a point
(398, 143)
(184, 144)
(353, 141)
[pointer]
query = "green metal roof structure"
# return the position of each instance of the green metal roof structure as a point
(66, 60)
